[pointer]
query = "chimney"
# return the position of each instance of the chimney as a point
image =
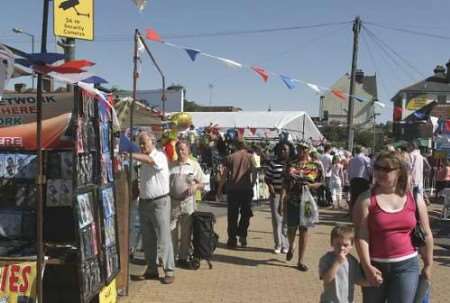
(359, 76)
(19, 87)
(439, 72)
(448, 71)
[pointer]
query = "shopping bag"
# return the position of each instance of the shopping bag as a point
(309, 212)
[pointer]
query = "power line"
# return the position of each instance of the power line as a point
(409, 31)
(385, 49)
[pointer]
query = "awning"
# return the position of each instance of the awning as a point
(23, 136)
(143, 115)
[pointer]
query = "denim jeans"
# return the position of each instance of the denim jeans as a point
(278, 225)
(400, 281)
(156, 236)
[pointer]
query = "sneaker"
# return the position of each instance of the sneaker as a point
(277, 250)
(168, 279)
(284, 250)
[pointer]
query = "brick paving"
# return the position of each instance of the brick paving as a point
(255, 274)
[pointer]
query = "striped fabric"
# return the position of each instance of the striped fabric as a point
(275, 174)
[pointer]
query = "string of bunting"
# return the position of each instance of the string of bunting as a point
(265, 74)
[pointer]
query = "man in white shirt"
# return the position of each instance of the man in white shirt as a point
(327, 163)
(416, 162)
(186, 177)
(359, 174)
(154, 208)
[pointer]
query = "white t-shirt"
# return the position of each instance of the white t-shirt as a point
(327, 161)
(154, 179)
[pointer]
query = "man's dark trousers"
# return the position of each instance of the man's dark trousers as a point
(239, 201)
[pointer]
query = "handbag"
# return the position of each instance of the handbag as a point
(418, 234)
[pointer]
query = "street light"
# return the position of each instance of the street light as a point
(21, 31)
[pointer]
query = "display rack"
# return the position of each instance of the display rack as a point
(80, 218)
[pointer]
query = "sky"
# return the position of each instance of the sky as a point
(317, 55)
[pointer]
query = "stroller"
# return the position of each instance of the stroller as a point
(204, 238)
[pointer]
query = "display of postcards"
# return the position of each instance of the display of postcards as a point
(84, 209)
(91, 136)
(105, 139)
(17, 224)
(94, 238)
(112, 261)
(54, 165)
(25, 195)
(2, 165)
(108, 202)
(26, 166)
(65, 192)
(104, 168)
(104, 111)
(88, 241)
(10, 164)
(91, 276)
(81, 136)
(53, 192)
(8, 190)
(110, 231)
(88, 106)
(85, 169)
(66, 165)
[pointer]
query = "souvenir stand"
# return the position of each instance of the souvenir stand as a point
(80, 219)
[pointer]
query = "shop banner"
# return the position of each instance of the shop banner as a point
(108, 294)
(17, 282)
(17, 109)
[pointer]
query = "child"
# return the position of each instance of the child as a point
(336, 181)
(339, 270)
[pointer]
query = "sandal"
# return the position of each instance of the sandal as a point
(302, 267)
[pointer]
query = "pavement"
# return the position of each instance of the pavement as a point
(256, 274)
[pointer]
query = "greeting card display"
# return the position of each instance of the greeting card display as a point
(10, 165)
(26, 166)
(84, 209)
(67, 165)
(108, 202)
(25, 195)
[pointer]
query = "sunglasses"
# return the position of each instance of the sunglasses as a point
(385, 169)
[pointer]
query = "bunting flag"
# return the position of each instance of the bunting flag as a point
(382, 105)
(253, 130)
(314, 88)
(241, 132)
(338, 93)
(261, 72)
(192, 53)
(140, 4)
(140, 47)
(152, 35)
(44, 58)
(228, 62)
(288, 81)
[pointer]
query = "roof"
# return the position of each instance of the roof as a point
(274, 121)
(435, 83)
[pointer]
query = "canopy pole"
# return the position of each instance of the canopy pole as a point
(40, 179)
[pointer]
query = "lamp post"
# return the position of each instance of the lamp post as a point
(21, 31)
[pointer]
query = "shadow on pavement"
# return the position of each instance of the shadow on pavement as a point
(248, 248)
(247, 262)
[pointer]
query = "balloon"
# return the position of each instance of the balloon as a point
(6, 67)
(182, 119)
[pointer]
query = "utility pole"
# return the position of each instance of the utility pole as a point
(68, 45)
(350, 130)
(210, 86)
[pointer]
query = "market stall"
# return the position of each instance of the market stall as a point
(80, 218)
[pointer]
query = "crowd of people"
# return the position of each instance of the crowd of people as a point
(384, 195)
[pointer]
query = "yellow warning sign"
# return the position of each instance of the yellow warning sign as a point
(74, 19)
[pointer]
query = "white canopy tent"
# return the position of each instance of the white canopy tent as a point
(262, 124)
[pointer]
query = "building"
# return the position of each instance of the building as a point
(334, 108)
(431, 95)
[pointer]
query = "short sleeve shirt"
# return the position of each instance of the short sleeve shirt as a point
(311, 172)
(341, 289)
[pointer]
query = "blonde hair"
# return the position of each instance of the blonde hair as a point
(342, 232)
(395, 159)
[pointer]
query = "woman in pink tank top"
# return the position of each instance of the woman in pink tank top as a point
(384, 218)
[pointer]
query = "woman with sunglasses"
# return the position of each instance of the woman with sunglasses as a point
(385, 217)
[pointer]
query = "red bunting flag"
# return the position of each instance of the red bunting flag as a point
(78, 64)
(338, 93)
(253, 130)
(152, 35)
(262, 72)
(241, 132)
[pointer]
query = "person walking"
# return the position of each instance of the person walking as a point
(299, 173)
(327, 163)
(154, 208)
(240, 176)
(359, 172)
(186, 177)
(275, 177)
(336, 181)
(416, 161)
(385, 218)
